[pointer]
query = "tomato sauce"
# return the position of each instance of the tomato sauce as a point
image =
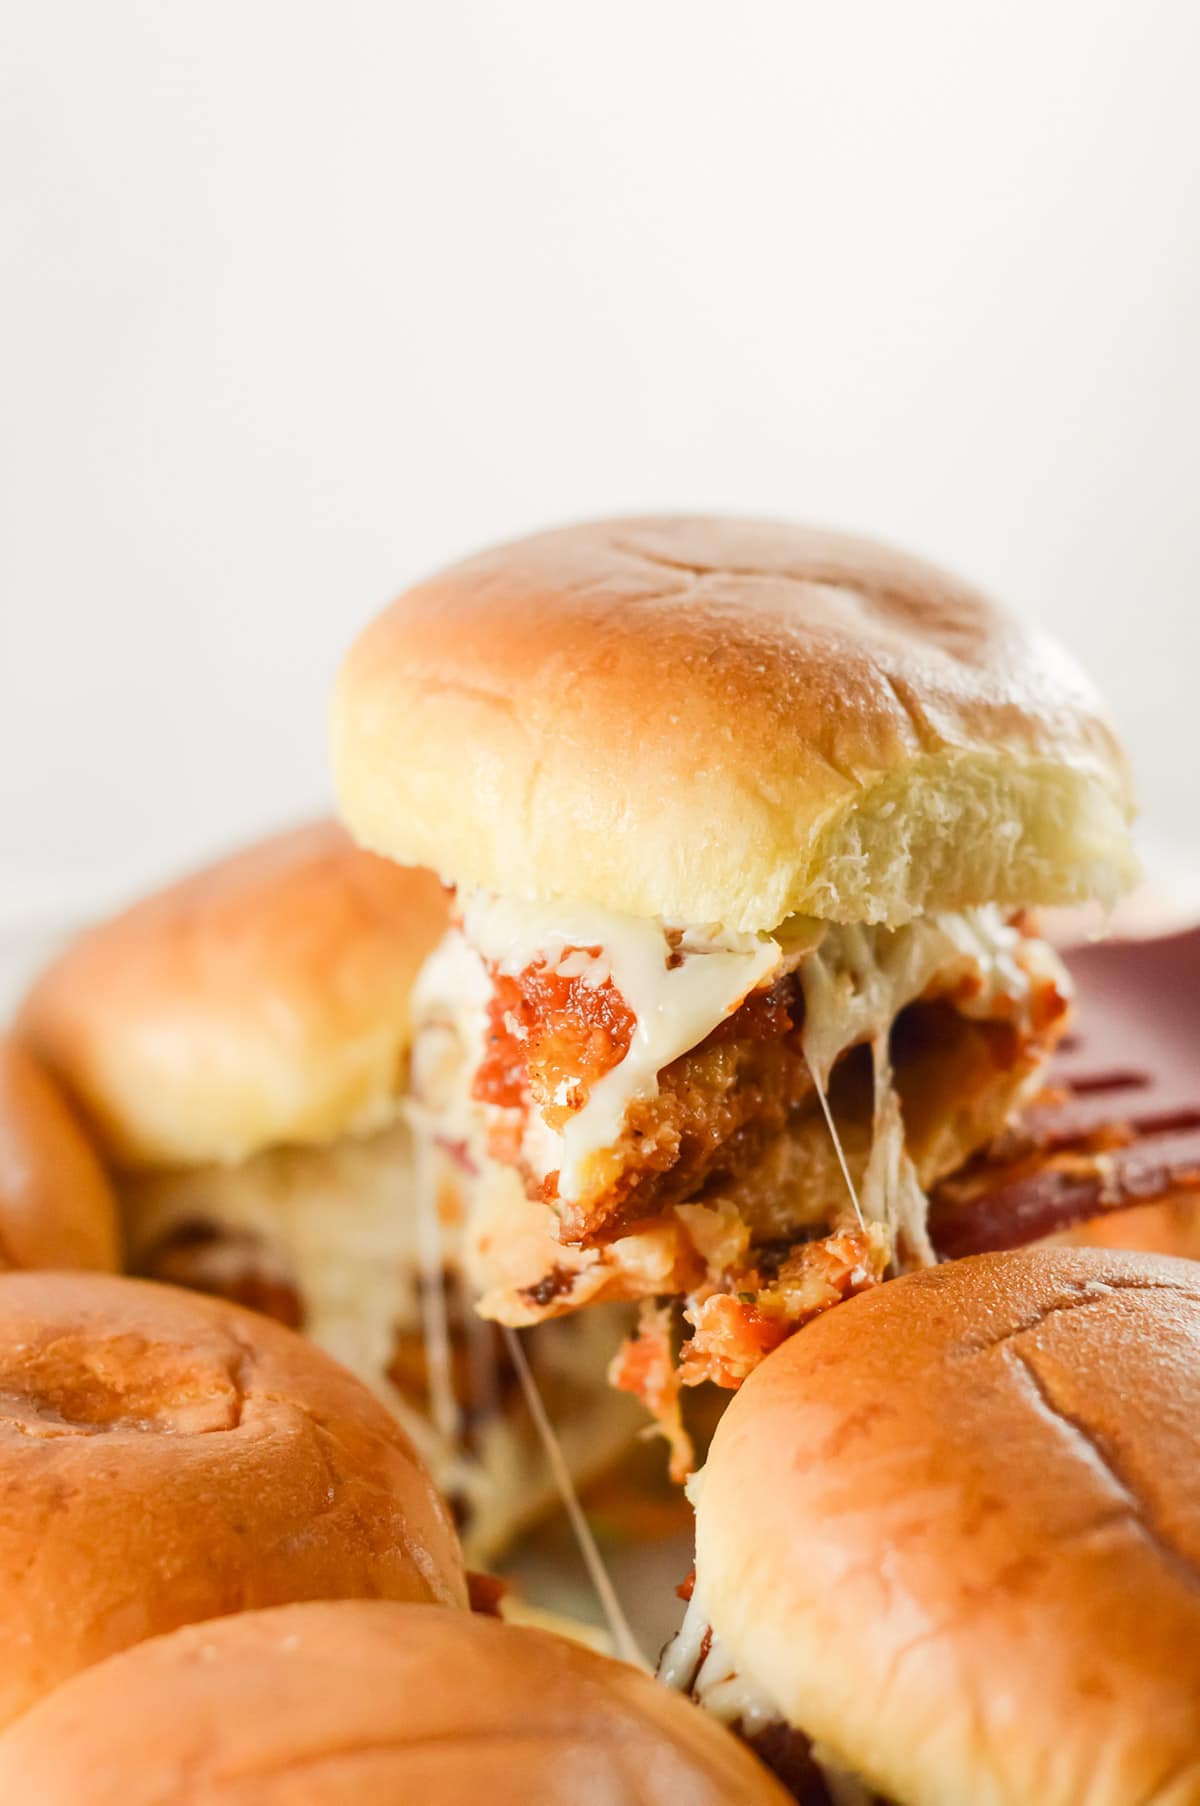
(550, 1038)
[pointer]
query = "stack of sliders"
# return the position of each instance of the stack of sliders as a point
(948, 1541)
(239, 1045)
(167, 1458)
(745, 825)
(745, 822)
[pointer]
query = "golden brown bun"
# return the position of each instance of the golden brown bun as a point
(1171, 1226)
(166, 1458)
(727, 721)
(969, 1557)
(372, 1705)
(262, 1000)
(57, 1208)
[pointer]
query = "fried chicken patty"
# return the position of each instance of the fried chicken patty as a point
(712, 1180)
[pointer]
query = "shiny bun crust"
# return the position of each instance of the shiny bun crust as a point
(727, 721)
(166, 1458)
(372, 1705)
(1169, 1226)
(262, 1000)
(953, 1529)
(57, 1208)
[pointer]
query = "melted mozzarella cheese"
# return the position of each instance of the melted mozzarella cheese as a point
(335, 1222)
(712, 1678)
(678, 989)
(892, 1194)
(623, 1640)
(680, 984)
(343, 1226)
(857, 980)
(839, 1150)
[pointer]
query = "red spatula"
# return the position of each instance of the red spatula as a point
(1119, 1121)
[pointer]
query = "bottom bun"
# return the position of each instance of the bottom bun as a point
(371, 1704)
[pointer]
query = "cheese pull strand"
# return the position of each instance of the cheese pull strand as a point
(443, 1401)
(837, 1140)
(623, 1640)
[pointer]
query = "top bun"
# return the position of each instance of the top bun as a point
(969, 1563)
(727, 721)
(371, 1704)
(262, 1000)
(57, 1208)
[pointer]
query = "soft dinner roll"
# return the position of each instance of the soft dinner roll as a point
(358, 1704)
(261, 1000)
(951, 1534)
(241, 1042)
(166, 1458)
(57, 1208)
(727, 721)
(745, 822)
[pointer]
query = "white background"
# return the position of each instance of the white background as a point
(299, 300)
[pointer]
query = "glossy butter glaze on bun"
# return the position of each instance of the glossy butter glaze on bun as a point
(263, 1000)
(166, 1458)
(356, 1704)
(727, 720)
(951, 1532)
(57, 1207)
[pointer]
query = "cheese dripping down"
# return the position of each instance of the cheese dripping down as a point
(838, 1149)
(445, 1405)
(624, 1642)
(697, 1662)
(435, 1325)
(680, 983)
(349, 1266)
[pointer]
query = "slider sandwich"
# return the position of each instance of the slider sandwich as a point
(948, 1539)
(371, 1704)
(167, 1458)
(239, 1043)
(744, 822)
